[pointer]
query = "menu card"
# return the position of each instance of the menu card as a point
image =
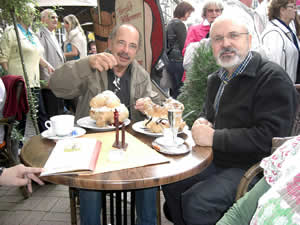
(73, 156)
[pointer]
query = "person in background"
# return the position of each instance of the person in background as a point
(176, 34)
(280, 43)
(242, 114)
(248, 16)
(55, 56)
(118, 71)
(210, 11)
(33, 57)
(20, 175)
(75, 44)
(75, 47)
(92, 47)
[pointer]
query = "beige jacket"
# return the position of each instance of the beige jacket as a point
(77, 79)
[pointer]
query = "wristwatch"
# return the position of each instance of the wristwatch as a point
(1, 170)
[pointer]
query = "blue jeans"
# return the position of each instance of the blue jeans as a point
(90, 206)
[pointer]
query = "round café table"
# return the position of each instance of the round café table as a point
(36, 151)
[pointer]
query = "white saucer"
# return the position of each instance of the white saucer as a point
(163, 141)
(77, 132)
(173, 150)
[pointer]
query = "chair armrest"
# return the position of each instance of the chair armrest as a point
(256, 169)
(247, 178)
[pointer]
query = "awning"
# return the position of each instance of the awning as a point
(47, 3)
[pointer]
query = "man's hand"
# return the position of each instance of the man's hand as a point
(202, 132)
(20, 175)
(140, 104)
(102, 61)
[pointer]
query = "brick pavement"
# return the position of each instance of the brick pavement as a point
(48, 205)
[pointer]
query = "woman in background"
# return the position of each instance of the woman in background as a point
(75, 47)
(176, 35)
(280, 42)
(75, 44)
(10, 61)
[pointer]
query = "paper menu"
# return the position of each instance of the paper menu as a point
(73, 156)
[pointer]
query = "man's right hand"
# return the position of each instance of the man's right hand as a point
(102, 61)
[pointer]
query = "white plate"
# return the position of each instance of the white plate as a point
(77, 132)
(140, 127)
(88, 122)
(178, 150)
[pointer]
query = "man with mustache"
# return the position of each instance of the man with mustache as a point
(118, 71)
(249, 101)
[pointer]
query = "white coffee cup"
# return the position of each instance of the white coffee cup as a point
(60, 125)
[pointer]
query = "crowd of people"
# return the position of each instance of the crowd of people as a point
(249, 100)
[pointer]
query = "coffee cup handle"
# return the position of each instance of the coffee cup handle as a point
(48, 124)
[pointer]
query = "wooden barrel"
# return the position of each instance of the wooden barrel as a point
(102, 31)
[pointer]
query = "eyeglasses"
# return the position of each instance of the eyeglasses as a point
(123, 44)
(233, 36)
(291, 6)
(214, 10)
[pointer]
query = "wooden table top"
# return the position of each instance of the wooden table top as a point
(36, 151)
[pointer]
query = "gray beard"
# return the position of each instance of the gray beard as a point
(233, 62)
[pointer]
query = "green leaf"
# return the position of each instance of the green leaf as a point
(193, 91)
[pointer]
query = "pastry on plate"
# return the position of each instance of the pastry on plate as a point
(158, 115)
(103, 106)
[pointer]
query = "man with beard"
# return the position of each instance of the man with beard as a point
(249, 101)
(118, 71)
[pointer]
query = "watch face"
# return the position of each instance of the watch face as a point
(1, 170)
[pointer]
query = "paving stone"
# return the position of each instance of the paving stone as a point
(29, 204)
(33, 218)
(54, 223)
(11, 198)
(13, 218)
(6, 206)
(46, 204)
(62, 205)
(50, 216)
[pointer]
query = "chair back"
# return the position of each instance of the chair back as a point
(296, 125)
(9, 157)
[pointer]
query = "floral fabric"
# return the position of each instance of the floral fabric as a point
(281, 204)
(272, 165)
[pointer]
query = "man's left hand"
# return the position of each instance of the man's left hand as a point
(140, 104)
(202, 134)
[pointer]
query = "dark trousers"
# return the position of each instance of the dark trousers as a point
(203, 198)
(53, 105)
(176, 70)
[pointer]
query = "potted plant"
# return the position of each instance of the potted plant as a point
(193, 91)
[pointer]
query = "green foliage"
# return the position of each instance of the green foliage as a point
(15, 133)
(193, 91)
(23, 9)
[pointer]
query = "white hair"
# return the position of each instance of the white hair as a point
(228, 15)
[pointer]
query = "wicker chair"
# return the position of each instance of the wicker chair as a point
(276, 142)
